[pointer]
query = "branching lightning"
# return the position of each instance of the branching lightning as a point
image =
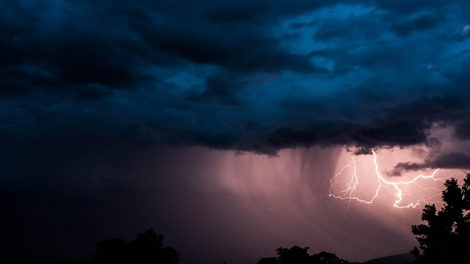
(394, 188)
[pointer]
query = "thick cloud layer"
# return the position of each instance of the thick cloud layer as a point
(449, 160)
(241, 75)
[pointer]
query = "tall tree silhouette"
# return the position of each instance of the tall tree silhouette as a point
(147, 248)
(445, 238)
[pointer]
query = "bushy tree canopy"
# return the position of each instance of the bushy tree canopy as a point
(147, 248)
(445, 237)
(298, 255)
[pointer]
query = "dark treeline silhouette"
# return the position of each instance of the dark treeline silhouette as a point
(298, 255)
(146, 248)
(445, 237)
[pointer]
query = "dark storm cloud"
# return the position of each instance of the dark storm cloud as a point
(230, 75)
(421, 23)
(409, 7)
(450, 160)
(462, 131)
(354, 29)
(208, 45)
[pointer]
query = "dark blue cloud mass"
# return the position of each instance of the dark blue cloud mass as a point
(242, 75)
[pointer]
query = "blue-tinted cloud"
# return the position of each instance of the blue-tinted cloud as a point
(247, 76)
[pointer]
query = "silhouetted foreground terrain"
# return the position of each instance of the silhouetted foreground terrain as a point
(146, 248)
(300, 255)
(443, 238)
(394, 259)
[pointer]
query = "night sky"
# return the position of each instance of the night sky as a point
(220, 124)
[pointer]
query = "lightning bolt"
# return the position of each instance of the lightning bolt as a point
(394, 188)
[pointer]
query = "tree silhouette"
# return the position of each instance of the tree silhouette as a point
(147, 248)
(272, 260)
(113, 250)
(294, 254)
(327, 258)
(298, 255)
(445, 238)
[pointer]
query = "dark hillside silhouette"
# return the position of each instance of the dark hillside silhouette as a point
(392, 259)
(146, 248)
(445, 238)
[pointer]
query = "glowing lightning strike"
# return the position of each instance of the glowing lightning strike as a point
(392, 187)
